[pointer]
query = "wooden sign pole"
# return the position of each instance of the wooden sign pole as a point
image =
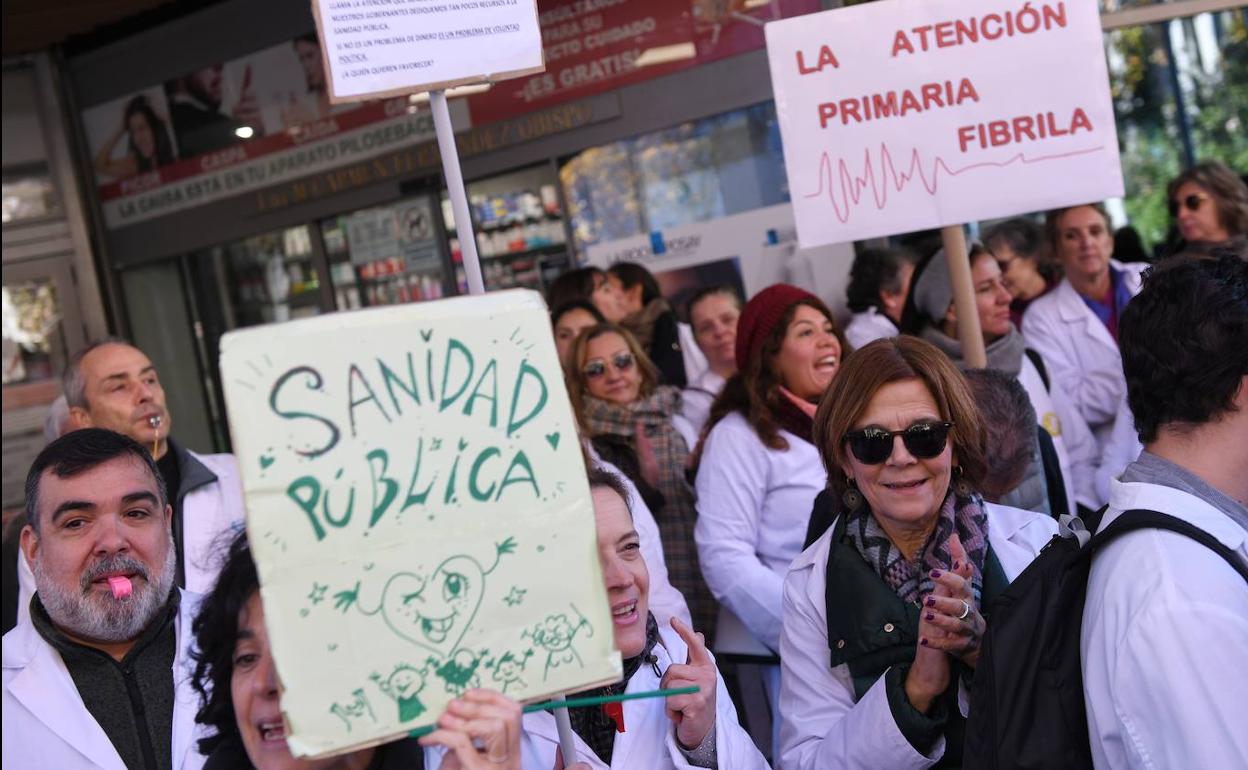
(969, 332)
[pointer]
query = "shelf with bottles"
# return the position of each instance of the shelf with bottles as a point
(383, 282)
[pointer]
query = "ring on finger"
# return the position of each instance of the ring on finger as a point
(966, 609)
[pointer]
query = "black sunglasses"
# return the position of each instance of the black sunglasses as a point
(1191, 202)
(596, 368)
(924, 440)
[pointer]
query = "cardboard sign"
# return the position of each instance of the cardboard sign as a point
(375, 49)
(418, 511)
(904, 115)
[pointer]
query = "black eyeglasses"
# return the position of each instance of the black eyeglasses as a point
(924, 440)
(1191, 202)
(596, 368)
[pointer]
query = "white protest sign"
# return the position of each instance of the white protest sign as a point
(904, 115)
(418, 511)
(395, 47)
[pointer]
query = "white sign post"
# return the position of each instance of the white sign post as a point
(906, 115)
(405, 47)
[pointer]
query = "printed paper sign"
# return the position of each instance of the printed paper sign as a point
(376, 49)
(418, 512)
(904, 115)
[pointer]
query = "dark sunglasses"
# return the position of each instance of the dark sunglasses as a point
(596, 368)
(1191, 202)
(924, 440)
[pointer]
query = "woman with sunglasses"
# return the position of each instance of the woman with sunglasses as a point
(758, 471)
(1075, 326)
(635, 424)
(235, 677)
(883, 614)
(1069, 475)
(1209, 204)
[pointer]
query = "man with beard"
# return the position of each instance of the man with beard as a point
(195, 108)
(94, 678)
(112, 384)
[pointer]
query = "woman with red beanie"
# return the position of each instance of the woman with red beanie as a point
(759, 472)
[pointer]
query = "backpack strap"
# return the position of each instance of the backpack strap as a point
(1038, 361)
(1054, 482)
(1135, 519)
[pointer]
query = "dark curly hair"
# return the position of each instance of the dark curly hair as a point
(573, 285)
(1183, 342)
(216, 631)
(874, 271)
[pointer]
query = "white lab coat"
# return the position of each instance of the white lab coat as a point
(1122, 447)
(649, 738)
(694, 359)
(698, 397)
(1165, 640)
(1077, 450)
(1083, 356)
(46, 723)
(754, 505)
(666, 601)
(211, 514)
(868, 326)
(822, 727)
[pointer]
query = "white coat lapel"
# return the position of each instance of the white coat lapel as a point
(185, 703)
(46, 689)
(1077, 313)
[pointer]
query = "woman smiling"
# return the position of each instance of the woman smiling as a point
(635, 424)
(883, 614)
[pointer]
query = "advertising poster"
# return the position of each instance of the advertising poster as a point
(418, 512)
(131, 136)
(900, 116)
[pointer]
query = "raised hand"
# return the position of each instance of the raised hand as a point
(693, 714)
(645, 455)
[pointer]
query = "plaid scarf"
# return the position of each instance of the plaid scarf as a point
(641, 323)
(677, 515)
(591, 722)
(911, 580)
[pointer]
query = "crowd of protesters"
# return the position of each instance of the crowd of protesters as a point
(835, 511)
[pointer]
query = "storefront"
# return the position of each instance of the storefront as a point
(228, 192)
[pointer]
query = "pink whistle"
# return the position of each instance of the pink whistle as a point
(120, 586)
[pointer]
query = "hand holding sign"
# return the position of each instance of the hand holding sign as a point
(481, 731)
(694, 713)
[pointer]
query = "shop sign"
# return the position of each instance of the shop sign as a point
(597, 45)
(424, 158)
(418, 512)
(372, 235)
(376, 49)
(249, 167)
(762, 243)
(902, 116)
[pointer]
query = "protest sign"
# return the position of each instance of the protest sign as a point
(902, 115)
(418, 512)
(405, 46)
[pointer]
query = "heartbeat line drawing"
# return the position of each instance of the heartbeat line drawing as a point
(852, 187)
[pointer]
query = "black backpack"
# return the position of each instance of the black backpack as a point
(1027, 708)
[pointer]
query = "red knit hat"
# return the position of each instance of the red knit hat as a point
(760, 316)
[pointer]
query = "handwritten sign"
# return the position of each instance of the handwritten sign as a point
(903, 115)
(373, 49)
(418, 512)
